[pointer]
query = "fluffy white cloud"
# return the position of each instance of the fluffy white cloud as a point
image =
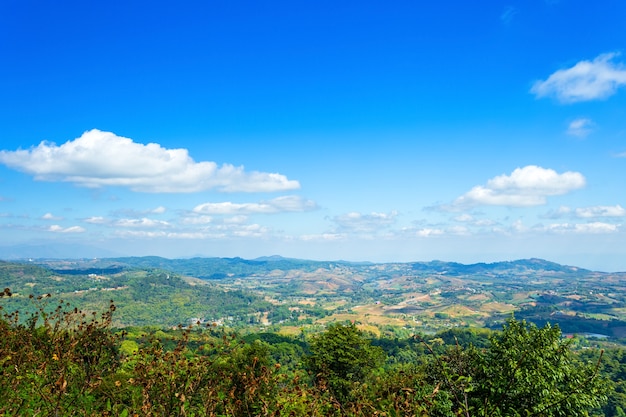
(277, 205)
(99, 159)
(527, 186)
(587, 80)
(580, 127)
(50, 216)
(601, 211)
(364, 223)
(59, 229)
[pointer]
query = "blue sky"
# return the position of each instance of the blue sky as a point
(381, 131)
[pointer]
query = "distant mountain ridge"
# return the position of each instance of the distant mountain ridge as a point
(72, 251)
(219, 268)
(516, 267)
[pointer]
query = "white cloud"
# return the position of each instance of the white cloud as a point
(72, 229)
(250, 230)
(142, 223)
(559, 213)
(240, 219)
(323, 237)
(364, 223)
(587, 80)
(586, 212)
(596, 227)
(527, 186)
(601, 211)
(140, 234)
(277, 205)
(580, 127)
(197, 220)
(471, 220)
(428, 232)
(518, 226)
(464, 218)
(209, 230)
(95, 220)
(138, 213)
(99, 159)
(50, 216)
(584, 228)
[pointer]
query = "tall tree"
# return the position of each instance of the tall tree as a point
(341, 358)
(525, 371)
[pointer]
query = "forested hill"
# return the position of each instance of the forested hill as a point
(218, 268)
(143, 297)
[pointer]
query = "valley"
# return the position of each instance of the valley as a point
(291, 296)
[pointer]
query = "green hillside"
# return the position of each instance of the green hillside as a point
(143, 297)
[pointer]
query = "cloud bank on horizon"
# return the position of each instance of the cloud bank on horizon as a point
(393, 134)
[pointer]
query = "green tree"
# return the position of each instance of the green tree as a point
(525, 371)
(341, 358)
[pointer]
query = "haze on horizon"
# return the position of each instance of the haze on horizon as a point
(358, 131)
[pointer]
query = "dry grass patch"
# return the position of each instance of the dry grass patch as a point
(496, 307)
(576, 297)
(458, 311)
(521, 296)
(478, 297)
(373, 309)
(368, 328)
(290, 330)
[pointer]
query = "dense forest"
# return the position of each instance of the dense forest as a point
(67, 362)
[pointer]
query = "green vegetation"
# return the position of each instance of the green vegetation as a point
(65, 362)
(282, 337)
